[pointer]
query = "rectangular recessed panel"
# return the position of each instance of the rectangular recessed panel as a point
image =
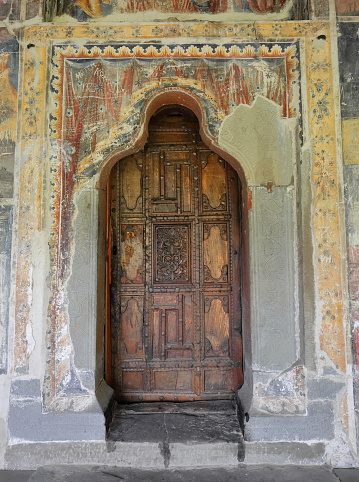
(215, 252)
(173, 380)
(171, 326)
(217, 380)
(216, 326)
(176, 137)
(156, 336)
(173, 353)
(132, 380)
(170, 182)
(177, 155)
(188, 316)
(155, 175)
(167, 299)
(131, 253)
(186, 189)
(165, 207)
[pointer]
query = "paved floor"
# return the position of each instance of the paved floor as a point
(254, 473)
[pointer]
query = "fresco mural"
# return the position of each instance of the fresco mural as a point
(8, 124)
(347, 7)
(100, 91)
(128, 75)
(85, 9)
(349, 87)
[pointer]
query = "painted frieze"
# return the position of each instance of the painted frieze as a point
(84, 10)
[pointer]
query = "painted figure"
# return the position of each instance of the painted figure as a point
(95, 8)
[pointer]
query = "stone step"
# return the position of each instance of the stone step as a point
(182, 434)
(243, 473)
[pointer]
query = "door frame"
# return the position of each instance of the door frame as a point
(182, 97)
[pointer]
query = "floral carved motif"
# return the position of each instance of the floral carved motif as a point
(172, 254)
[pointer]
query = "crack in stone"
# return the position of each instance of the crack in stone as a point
(164, 446)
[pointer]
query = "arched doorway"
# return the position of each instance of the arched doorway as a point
(175, 275)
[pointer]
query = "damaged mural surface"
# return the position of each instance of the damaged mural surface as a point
(97, 92)
(84, 9)
(8, 123)
(349, 85)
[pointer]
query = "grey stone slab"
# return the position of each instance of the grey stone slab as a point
(137, 428)
(317, 425)
(272, 279)
(82, 283)
(351, 179)
(285, 453)
(26, 421)
(193, 422)
(259, 473)
(324, 388)
(347, 475)
(15, 475)
(5, 257)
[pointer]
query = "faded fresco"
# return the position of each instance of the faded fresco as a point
(347, 7)
(88, 84)
(8, 125)
(100, 92)
(85, 9)
(349, 87)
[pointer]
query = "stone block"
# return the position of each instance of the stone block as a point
(82, 282)
(285, 453)
(5, 257)
(272, 279)
(26, 421)
(317, 425)
(323, 389)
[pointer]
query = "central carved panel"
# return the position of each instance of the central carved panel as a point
(172, 245)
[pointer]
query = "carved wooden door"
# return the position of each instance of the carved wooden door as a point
(176, 318)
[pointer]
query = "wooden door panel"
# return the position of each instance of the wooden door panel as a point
(172, 253)
(175, 270)
(132, 380)
(218, 380)
(215, 252)
(132, 328)
(186, 189)
(172, 322)
(132, 254)
(131, 185)
(216, 326)
(172, 380)
(213, 183)
(170, 182)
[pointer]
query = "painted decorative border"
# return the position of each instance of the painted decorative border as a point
(322, 132)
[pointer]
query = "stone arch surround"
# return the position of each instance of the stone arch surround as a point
(70, 380)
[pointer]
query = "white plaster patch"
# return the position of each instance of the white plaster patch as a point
(261, 141)
(284, 393)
